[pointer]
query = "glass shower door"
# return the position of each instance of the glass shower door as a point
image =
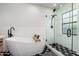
(70, 26)
(66, 34)
(75, 27)
(65, 27)
(64, 37)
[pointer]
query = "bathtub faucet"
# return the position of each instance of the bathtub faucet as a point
(10, 32)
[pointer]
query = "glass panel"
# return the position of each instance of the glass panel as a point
(66, 15)
(74, 28)
(74, 18)
(70, 19)
(70, 14)
(66, 20)
(62, 14)
(74, 13)
(70, 27)
(65, 27)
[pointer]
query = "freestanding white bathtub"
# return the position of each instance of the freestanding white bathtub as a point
(24, 46)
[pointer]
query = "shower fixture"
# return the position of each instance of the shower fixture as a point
(52, 18)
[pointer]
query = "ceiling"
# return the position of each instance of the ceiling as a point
(51, 5)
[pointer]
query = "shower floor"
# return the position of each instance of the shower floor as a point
(64, 50)
(47, 52)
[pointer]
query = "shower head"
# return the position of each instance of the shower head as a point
(54, 12)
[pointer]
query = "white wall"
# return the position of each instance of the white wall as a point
(28, 19)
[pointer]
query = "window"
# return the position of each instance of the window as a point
(67, 22)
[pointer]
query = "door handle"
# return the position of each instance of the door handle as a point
(68, 32)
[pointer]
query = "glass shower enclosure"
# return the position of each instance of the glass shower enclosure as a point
(64, 34)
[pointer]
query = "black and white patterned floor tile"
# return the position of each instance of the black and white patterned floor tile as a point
(7, 53)
(46, 53)
(64, 50)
